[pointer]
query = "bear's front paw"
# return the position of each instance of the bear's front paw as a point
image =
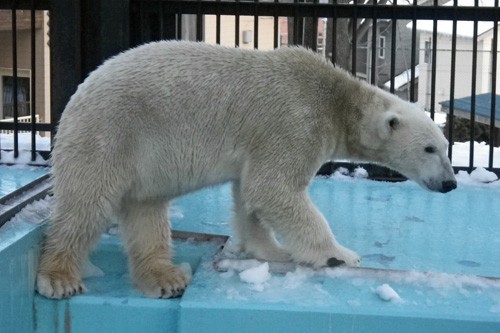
(343, 257)
(161, 281)
(58, 285)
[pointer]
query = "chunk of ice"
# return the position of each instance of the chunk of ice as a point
(256, 275)
(386, 293)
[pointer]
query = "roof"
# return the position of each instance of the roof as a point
(403, 78)
(464, 28)
(483, 105)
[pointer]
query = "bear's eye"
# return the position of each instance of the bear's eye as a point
(430, 149)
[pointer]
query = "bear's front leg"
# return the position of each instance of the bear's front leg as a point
(146, 231)
(289, 211)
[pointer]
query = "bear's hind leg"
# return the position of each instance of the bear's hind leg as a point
(146, 231)
(255, 239)
(74, 228)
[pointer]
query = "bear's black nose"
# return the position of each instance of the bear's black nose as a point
(448, 185)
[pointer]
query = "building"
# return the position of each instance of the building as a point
(463, 65)
(24, 74)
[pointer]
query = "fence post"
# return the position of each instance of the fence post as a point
(83, 33)
(65, 55)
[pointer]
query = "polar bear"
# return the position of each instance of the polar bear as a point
(168, 118)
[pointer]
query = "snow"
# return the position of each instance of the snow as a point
(256, 276)
(35, 212)
(483, 176)
(386, 293)
(24, 143)
(403, 78)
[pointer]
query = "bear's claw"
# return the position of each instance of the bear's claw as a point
(58, 286)
(334, 262)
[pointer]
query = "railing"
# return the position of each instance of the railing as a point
(22, 16)
(354, 26)
(370, 38)
(25, 119)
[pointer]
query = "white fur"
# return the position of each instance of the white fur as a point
(169, 118)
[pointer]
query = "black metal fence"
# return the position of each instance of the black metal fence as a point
(369, 38)
(20, 114)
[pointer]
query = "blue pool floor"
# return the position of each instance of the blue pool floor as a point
(393, 226)
(14, 177)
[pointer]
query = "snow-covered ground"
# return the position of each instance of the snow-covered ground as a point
(24, 142)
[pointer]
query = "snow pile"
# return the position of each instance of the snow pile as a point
(256, 276)
(386, 293)
(483, 176)
(24, 144)
(359, 172)
(480, 176)
(343, 173)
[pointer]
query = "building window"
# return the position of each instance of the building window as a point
(427, 52)
(381, 47)
(23, 96)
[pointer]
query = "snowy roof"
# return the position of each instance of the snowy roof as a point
(402, 78)
(464, 28)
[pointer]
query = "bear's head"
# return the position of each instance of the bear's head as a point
(402, 137)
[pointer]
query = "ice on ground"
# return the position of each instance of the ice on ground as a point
(237, 265)
(256, 275)
(386, 293)
(35, 212)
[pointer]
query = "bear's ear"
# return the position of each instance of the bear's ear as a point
(388, 124)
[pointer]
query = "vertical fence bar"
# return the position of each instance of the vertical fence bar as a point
(296, 23)
(433, 62)
(334, 31)
(33, 83)
(160, 20)
(199, 23)
(373, 71)
(178, 35)
(493, 90)
(473, 92)
(256, 26)
(237, 25)
(393, 48)
(217, 23)
(141, 22)
(413, 52)
(354, 41)
(276, 25)
(314, 44)
(14, 75)
(451, 112)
